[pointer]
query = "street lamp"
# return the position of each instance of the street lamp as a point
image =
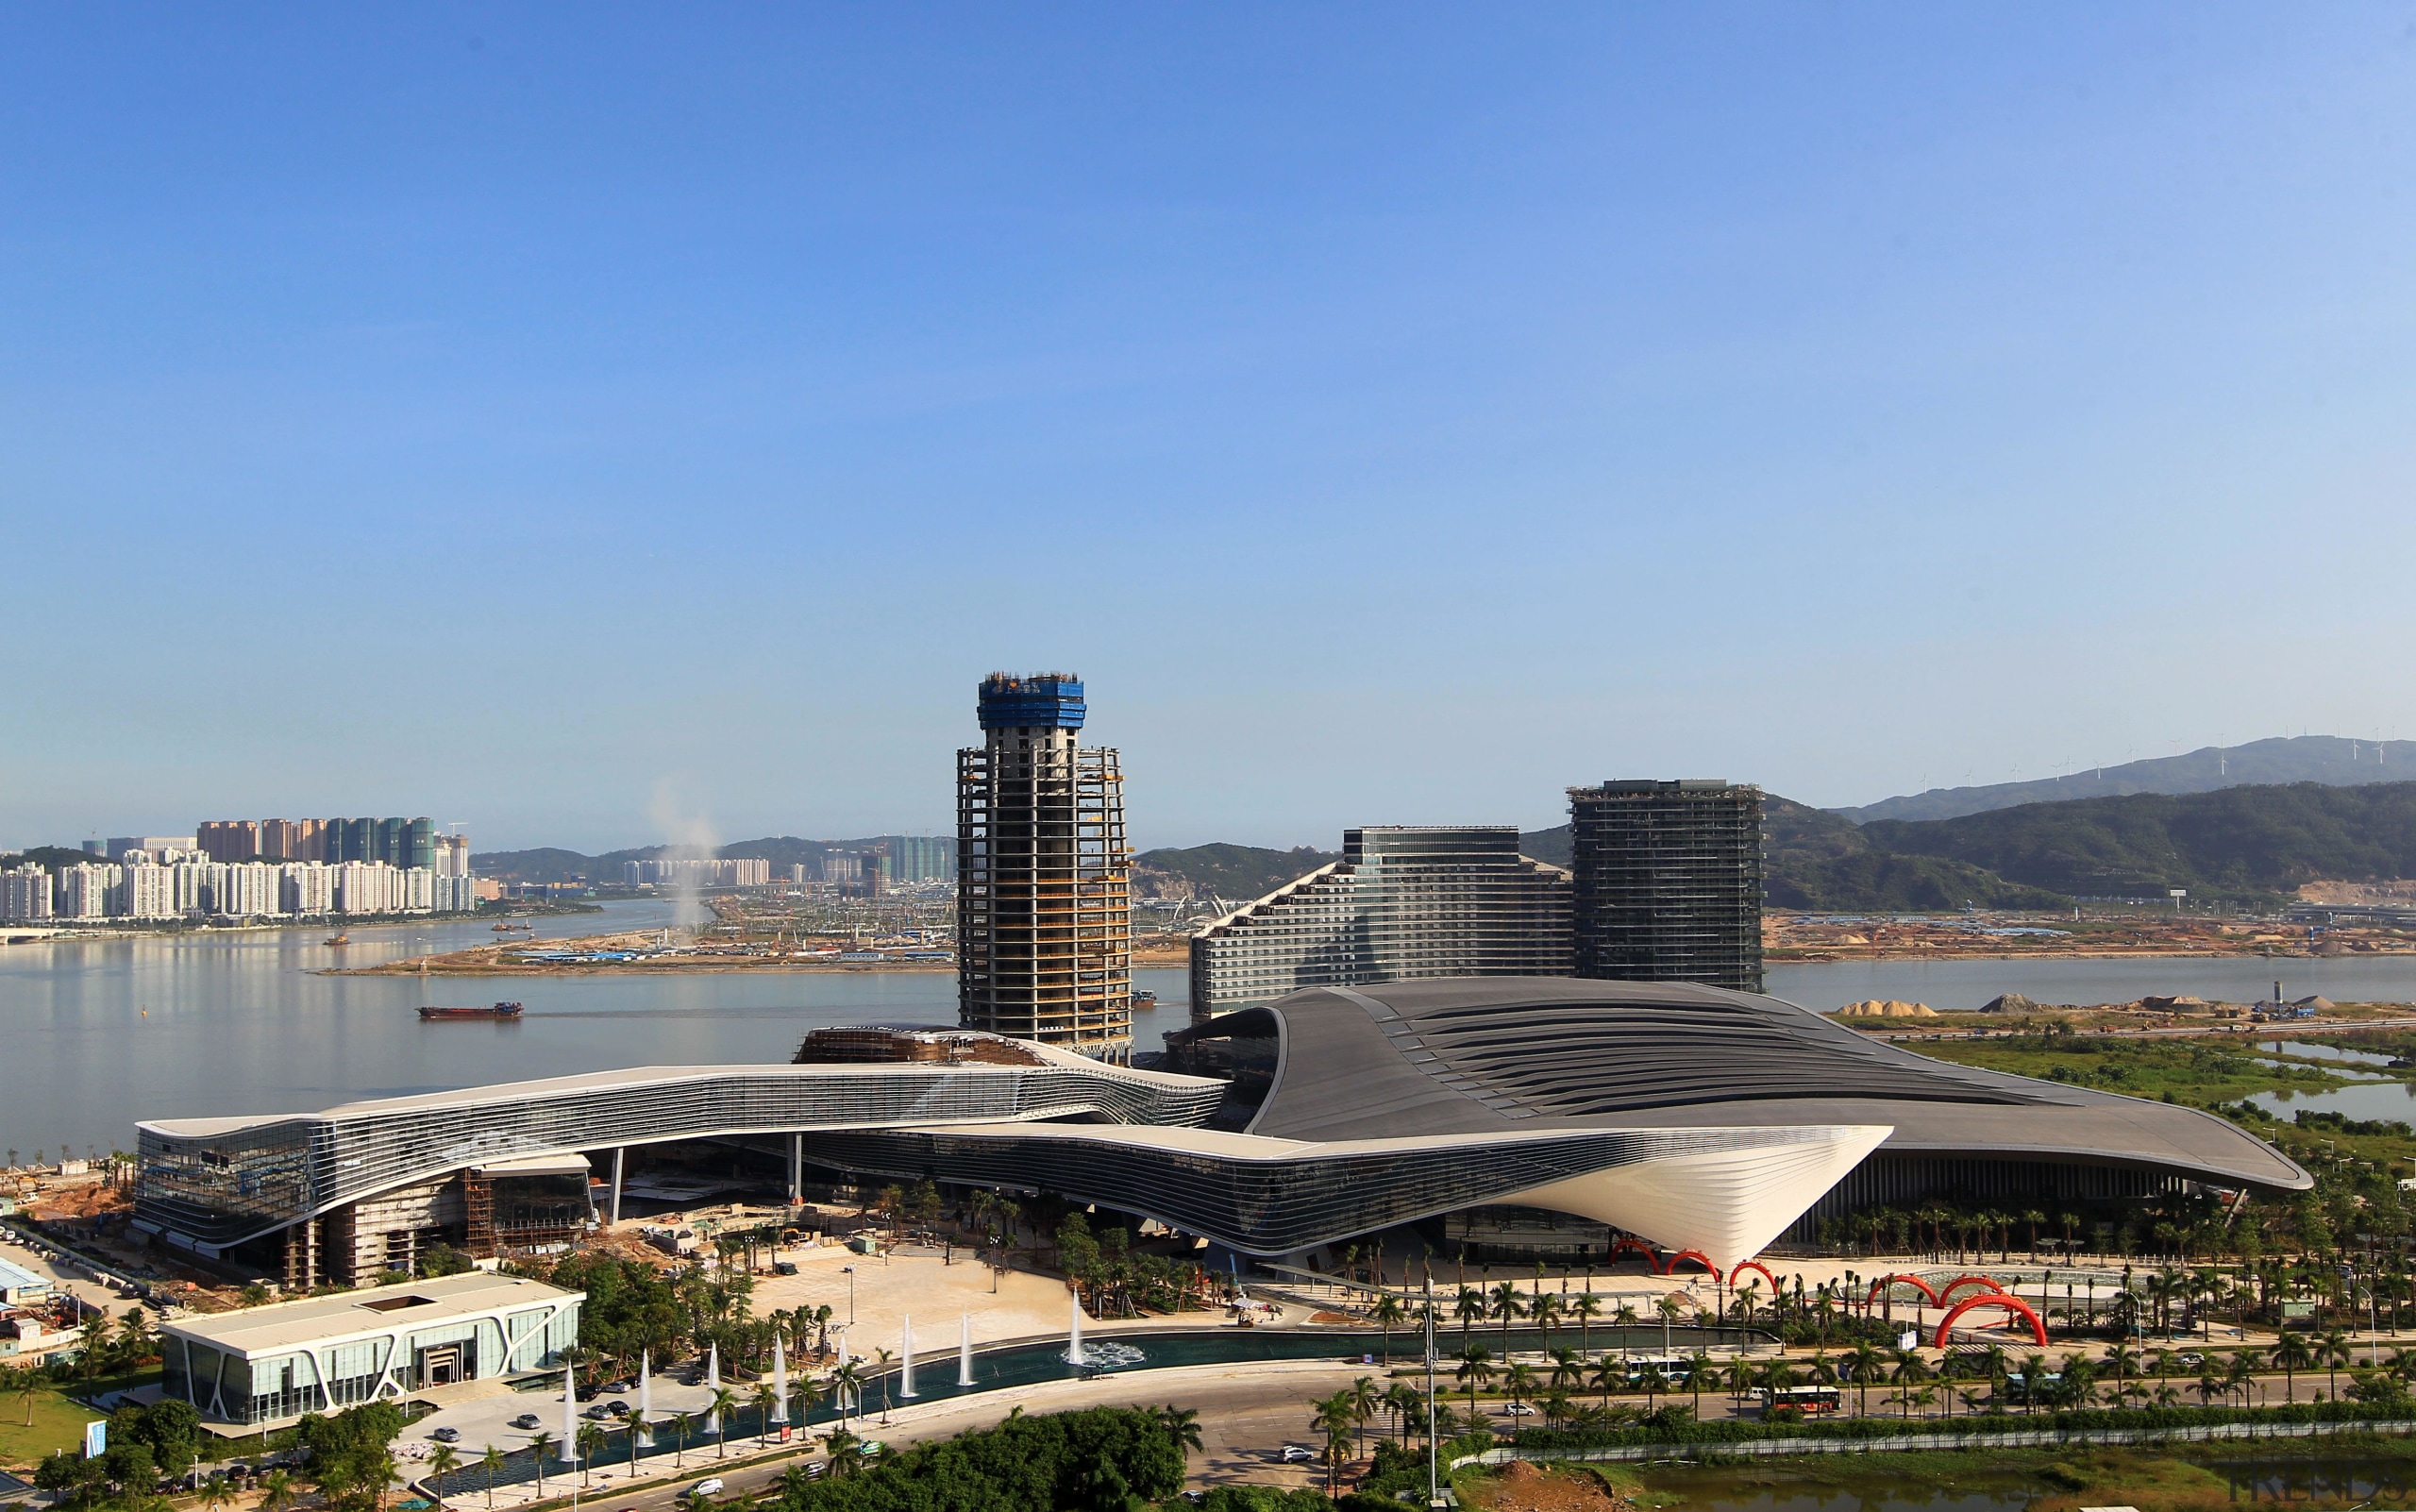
(850, 1271)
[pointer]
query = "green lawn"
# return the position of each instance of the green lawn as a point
(59, 1423)
(2215, 1072)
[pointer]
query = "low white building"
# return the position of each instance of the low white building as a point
(264, 1365)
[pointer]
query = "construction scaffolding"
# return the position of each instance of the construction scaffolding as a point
(1668, 882)
(1044, 900)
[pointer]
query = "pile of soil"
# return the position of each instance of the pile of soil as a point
(1519, 1486)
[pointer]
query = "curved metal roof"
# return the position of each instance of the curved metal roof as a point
(1481, 1054)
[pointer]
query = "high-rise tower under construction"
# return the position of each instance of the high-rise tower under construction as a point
(1043, 905)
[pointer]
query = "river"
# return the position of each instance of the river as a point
(98, 1033)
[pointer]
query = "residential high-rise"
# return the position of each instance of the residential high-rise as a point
(228, 839)
(1043, 905)
(920, 857)
(1668, 881)
(24, 892)
(1403, 902)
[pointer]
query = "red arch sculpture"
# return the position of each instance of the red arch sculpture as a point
(1986, 1283)
(1743, 1266)
(1636, 1246)
(1671, 1265)
(1884, 1281)
(2011, 1305)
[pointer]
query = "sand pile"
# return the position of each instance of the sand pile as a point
(1886, 1008)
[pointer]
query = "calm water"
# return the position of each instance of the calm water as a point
(1969, 983)
(98, 1034)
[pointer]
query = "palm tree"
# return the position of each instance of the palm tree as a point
(1697, 1365)
(28, 1384)
(1469, 1307)
(1181, 1425)
(537, 1448)
(682, 1424)
(764, 1397)
(1654, 1381)
(442, 1461)
(277, 1493)
(724, 1403)
(217, 1493)
(846, 1450)
(1506, 1305)
(1547, 1309)
(491, 1461)
(1387, 1313)
(1476, 1369)
(1607, 1372)
(1333, 1419)
(2334, 1348)
(848, 1383)
(1585, 1307)
(1567, 1368)
(1863, 1365)
(1404, 1401)
(591, 1441)
(1365, 1399)
(1911, 1371)
(1520, 1381)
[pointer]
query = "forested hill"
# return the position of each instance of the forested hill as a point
(1818, 861)
(1227, 871)
(2237, 842)
(2335, 761)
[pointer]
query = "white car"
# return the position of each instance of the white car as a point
(1517, 1409)
(709, 1486)
(1295, 1455)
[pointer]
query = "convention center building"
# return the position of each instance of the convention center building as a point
(1692, 1117)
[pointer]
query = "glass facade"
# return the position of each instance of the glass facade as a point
(221, 1188)
(351, 1366)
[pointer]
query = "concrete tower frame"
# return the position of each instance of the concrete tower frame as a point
(1044, 896)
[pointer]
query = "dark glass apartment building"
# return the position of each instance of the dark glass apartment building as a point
(1668, 881)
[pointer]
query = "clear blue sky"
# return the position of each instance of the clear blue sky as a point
(583, 422)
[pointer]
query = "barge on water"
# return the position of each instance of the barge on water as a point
(501, 1010)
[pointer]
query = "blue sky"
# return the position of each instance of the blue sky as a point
(582, 423)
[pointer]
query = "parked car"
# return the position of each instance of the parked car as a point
(618, 1386)
(447, 1435)
(784, 1267)
(528, 1423)
(599, 1412)
(618, 1409)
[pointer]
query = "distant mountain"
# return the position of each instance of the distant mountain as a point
(2236, 841)
(2332, 760)
(548, 864)
(1822, 864)
(1227, 871)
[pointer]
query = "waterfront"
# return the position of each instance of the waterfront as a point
(104, 1032)
(1969, 983)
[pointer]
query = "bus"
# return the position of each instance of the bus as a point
(1812, 1401)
